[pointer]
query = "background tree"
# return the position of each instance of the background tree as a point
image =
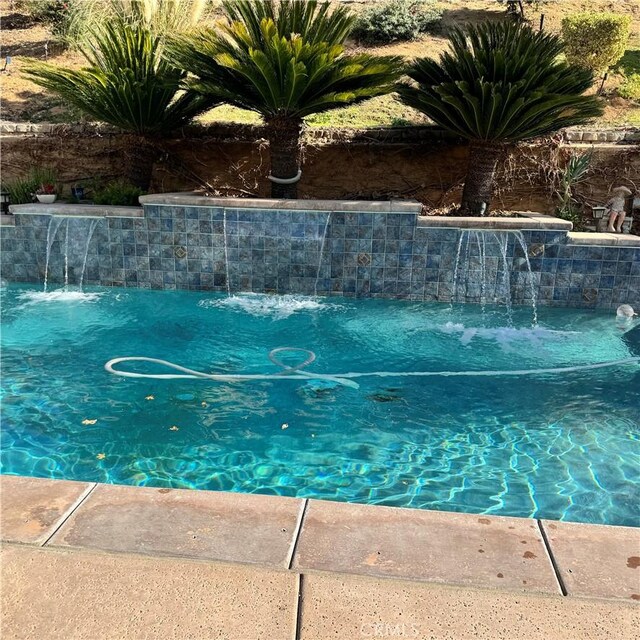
(596, 41)
(500, 83)
(128, 83)
(283, 60)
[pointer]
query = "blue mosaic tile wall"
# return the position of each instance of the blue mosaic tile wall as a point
(312, 252)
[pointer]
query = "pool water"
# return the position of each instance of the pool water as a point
(549, 445)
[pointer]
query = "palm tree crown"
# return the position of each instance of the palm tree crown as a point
(500, 83)
(284, 60)
(129, 84)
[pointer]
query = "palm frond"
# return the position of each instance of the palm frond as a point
(127, 82)
(501, 82)
(282, 59)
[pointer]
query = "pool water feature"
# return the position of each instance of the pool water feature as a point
(560, 446)
(310, 242)
(483, 268)
(78, 232)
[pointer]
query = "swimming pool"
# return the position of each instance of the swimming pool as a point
(561, 445)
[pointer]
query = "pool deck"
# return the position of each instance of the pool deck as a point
(87, 560)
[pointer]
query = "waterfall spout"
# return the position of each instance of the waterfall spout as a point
(74, 248)
(226, 251)
(322, 245)
(483, 269)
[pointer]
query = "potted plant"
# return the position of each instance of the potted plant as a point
(46, 193)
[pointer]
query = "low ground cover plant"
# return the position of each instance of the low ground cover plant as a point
(117, 193)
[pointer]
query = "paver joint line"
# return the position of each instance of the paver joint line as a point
(70, 511)
(297, 628)
(296, 533)
(554, 564)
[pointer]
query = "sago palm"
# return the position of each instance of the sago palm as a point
(284, 60)
(500, 83)
(129, 84)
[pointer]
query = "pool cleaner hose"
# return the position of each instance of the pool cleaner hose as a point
(297, 372)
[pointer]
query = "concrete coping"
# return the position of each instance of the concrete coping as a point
(78, 210)
(306, 535)
(606, 239)
(521, 220)
(361, 206)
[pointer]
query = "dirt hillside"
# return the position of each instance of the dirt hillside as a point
(22, 101)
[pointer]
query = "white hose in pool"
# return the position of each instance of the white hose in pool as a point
(296, 372)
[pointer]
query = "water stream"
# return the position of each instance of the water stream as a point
(52, 229)
(226, 251)
(482, 271)
(74, 247)
(322, 245)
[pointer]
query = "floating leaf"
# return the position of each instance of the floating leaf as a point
(285, 426)
(87, 421)
(174, 428)
(101, 456)
(204, 404)
(149, 398)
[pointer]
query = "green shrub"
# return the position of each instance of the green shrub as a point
(629, 68)
(630, 88)
(595, 40)
(394, 20)
(22, 190)
(118, 192)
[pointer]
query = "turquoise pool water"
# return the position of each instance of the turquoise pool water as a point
(555, 445)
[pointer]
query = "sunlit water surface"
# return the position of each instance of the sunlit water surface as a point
(556, 445)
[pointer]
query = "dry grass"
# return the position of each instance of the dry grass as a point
(24, 101)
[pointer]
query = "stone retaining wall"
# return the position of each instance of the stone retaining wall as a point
(372, 164)
(248, 133)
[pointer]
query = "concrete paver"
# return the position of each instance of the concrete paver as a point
(53, 593)
(356, 607)
(74, 588)
(596, 560)
(31, 508)
(432, 546)
(231, 527)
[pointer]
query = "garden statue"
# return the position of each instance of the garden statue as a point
(616, 209)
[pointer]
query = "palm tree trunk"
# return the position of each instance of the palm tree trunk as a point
(139, 157)
(478, 185)
(284, 147)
